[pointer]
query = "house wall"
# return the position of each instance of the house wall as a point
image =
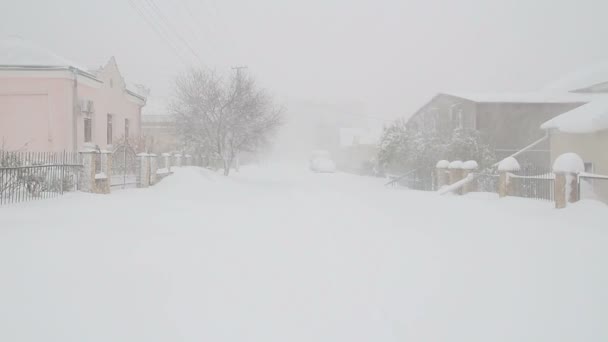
(35, 113)
(511, 126)
(111, 98)
(443, 113)
(592, 148)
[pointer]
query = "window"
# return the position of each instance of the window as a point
(109, 130)
(126, 128)
(589, 167)
(88, 131)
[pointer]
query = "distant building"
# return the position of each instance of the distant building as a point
(48, 103)
(158, 126)
(358, 149)
(508, 121)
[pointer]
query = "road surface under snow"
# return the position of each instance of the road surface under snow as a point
(280, 254)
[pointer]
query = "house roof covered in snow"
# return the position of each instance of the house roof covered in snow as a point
(18, 52)
(581, 79)
(527, 97)
(588, 118)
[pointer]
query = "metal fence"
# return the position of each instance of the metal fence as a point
(417, 179)
(592, 186)
(26, 176)
(534, 182)
(125, 166)
(486, 182)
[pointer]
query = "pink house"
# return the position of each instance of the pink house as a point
(49, 104)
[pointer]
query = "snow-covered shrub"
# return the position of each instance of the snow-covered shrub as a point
(402, 149)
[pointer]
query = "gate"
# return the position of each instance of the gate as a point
(125, 166)
(593, 186)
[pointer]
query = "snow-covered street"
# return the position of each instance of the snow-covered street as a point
(276, 253)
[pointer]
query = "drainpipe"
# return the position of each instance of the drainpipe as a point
(75, 110)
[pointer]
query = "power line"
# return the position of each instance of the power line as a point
(168, 24)
(158, 31)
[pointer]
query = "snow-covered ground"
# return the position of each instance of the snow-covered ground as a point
(277, 254)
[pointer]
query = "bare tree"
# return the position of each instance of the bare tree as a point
(223, 116)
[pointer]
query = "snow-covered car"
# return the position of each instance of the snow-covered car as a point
(320, 161)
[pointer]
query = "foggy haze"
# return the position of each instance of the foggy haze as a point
(388, 56)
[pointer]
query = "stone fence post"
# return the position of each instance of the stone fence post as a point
(90, 179)
(442, 176)
(505, 168)
(566, 168)
(104, 179)
(456, 174)
(86, 180)
(153, 168)
(468, 168)
(167, 161)
(144, 170)
(188, 160)
(178, 159)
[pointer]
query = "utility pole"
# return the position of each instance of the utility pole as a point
(238, 69)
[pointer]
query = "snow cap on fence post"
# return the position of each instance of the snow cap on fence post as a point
(509, 164)
(566, 168)
(469, 167)
(456, 174)
(505, 167)
(442, 175)
(442, 164)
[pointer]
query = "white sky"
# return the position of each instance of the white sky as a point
(388, 56)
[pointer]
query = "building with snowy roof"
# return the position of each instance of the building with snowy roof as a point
(584, 131)
(49, 103)
(510, 121)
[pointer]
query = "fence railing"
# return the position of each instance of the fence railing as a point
(26, 176)
(593, 186)
(534, 183)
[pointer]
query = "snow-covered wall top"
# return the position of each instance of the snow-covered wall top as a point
(457, 164)
(470, 165)
(580, 79)
(588, 118)
(530, 97)
(569, 162)
(442, 164)
(509, 164)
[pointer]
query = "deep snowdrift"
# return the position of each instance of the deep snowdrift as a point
(273, 254)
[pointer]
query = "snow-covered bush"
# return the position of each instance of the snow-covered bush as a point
(402, 149)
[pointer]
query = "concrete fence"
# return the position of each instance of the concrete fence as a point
(96, 172)
(560, 185)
